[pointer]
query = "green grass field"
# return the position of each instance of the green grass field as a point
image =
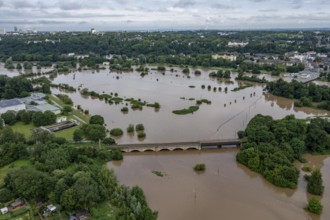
(76, 112)
(19, 163)
(104, 211)
(25, 129)
(67, 133)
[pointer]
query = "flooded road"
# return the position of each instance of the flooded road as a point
(226, 190)
(228, 113)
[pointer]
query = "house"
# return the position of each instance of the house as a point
(237, 44)
(11, 104)
(4, 210)
(49, 209)
(81, 215)
(17, 204)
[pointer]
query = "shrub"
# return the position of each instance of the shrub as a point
(141, 135)
(109, 141)
(315, 183)
(198, 72)
(6, 195)
(161, 68)
(116, 132)
(124, 109)
(314, 206)
(307, 169)
(158, 173)
(130, 128)
(185, 111)
(199, 167)
(186, 70)
(139, 127)
(96, 120)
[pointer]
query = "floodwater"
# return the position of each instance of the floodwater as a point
(228, 113)
(15, 72)
(226, 190)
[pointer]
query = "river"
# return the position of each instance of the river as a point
(226, 190)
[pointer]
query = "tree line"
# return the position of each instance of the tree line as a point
(273, 145)
(305, 93)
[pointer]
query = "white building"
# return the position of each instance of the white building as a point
(11, 104)
(4, 210)
(237, 44)
(230, 57)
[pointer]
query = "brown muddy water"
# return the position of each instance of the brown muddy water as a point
(228, 113)
(226, 190)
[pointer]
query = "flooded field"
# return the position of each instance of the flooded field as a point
(226, 190)
(228, 113)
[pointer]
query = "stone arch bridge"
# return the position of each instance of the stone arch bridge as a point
(173, 146)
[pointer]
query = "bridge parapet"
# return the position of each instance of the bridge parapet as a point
(178, 145)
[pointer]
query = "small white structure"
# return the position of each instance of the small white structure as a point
(237, 44)
(51, 208)
(61, 119)
(11, 104)
(4, 210)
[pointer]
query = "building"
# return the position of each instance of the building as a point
(4, 210)
(43, 108)
(237, 44)
(11, 104)
(17, 204)
(50, 208)
(2, 31)
(36, 102)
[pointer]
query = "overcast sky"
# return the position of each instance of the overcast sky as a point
(48, 15)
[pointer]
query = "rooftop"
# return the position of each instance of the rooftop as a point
(10, 102)
(42, 107)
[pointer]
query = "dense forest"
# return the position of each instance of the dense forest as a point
(305, 93)
(193, 48)
(133, 44)
(273, 145)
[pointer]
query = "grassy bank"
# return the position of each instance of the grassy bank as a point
(186, 111)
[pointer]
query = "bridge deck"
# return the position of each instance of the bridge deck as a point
(220, 142)
(178, 145)
(159, 144)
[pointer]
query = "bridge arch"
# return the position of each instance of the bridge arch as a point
(192, 148)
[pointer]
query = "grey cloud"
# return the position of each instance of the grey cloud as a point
(184, 4)
(50, 22)
(124, 2)
(258, 1)
(44, 22)
(70, 5)
(268, 10)
(296, 4)
(15, 22)
(22, 4)
(222, 6)
(1, 4)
